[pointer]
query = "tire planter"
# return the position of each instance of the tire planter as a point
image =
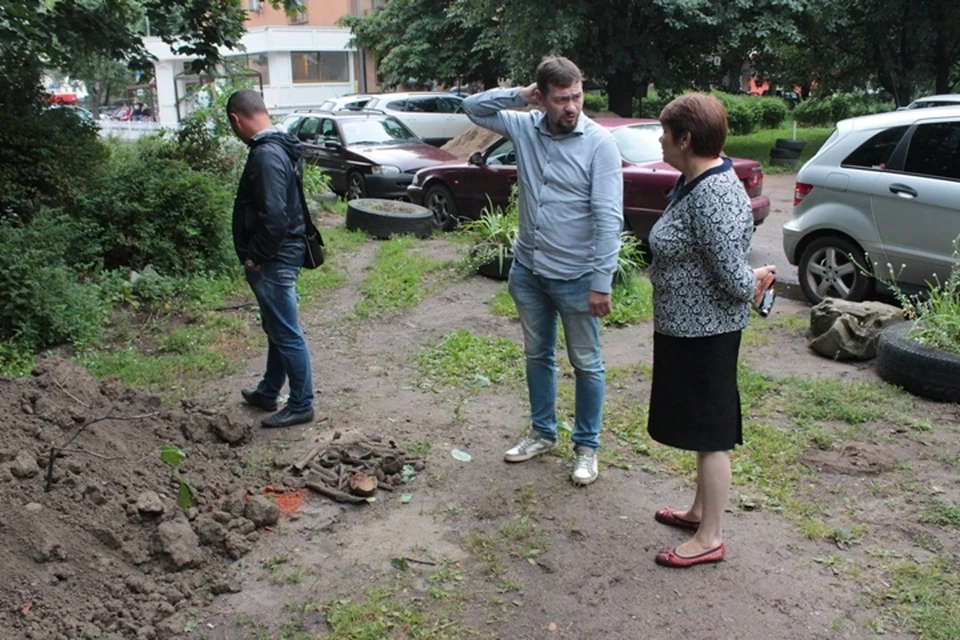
(787, 143)
(922, 371)
(494, 269)
(777, 152)
(384, 218)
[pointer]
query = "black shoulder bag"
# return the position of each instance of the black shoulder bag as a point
(311, 236)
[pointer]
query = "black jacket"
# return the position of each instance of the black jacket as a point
(267, 214)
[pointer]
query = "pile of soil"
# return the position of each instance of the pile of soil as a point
(106, 552)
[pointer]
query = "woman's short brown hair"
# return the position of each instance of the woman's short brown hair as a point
(700, 115)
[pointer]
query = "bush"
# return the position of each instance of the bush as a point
(651, 106)
(595, 102)
(824, 111)
(150, 208)
(773, 111)
(48, 159)
(42, 302)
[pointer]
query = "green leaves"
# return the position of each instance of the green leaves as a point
(171, 455)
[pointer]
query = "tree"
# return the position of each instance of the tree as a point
(428, 40)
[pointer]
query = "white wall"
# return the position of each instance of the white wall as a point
(281, 94)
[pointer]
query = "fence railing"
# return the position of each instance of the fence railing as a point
(130, 129)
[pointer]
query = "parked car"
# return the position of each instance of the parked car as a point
(942, 100)
(460, 189)
(434, 116)
(883, 190)
(353, 102)
(365, 154)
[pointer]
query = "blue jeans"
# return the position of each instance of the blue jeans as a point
(275, 288)
(539, 301)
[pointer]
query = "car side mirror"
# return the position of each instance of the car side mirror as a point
(332, 144)
(476, 158)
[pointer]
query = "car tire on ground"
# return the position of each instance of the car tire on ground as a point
(786, 143)
(826, 270)
(385, 218)
(777, 152)
(356, 186)
(439, 200)
(785, 162)
(922, 371)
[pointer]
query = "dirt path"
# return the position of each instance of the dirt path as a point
(494, 550)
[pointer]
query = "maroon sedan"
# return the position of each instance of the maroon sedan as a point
(455, 190)
(366, 154)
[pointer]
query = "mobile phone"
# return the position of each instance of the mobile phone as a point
(764, 304)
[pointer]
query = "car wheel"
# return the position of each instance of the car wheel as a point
(439, 200)
(830, 267)
(384, 218)
(356, 186)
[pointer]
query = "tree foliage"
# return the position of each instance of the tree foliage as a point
(429, 40)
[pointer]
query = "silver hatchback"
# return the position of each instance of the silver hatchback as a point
(881, 194)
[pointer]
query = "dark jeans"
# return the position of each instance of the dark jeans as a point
(287, 356)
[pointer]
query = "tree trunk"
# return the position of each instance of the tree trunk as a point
(620, 90)
(941, 65)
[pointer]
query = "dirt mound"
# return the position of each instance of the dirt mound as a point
(106, 552)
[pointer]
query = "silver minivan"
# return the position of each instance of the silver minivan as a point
(881, 194)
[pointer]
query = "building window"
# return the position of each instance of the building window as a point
(256, 62)
(254, 5)
(326, 66)
(300, 15)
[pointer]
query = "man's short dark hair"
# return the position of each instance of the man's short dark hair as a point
(703, 117)
(557, 71)
(246, 102)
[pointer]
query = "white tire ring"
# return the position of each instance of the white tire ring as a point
(373, 216)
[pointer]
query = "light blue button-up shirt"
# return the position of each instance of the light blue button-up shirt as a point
(571, 190)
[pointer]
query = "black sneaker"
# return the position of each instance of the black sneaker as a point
(287, 418)
(253, 398)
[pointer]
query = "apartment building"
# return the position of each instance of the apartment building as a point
(300, 60)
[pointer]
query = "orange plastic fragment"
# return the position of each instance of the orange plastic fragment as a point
(288, 501)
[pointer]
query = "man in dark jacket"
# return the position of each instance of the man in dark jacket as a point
(268, 226)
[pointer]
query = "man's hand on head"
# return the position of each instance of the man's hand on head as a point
(529, 94)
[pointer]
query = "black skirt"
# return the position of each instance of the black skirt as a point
(695, 402)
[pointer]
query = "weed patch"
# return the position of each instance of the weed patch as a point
(396, 281)
(462, 358)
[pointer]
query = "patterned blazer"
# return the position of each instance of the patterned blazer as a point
(702, 284)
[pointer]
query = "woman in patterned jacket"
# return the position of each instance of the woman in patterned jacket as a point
(702, 289)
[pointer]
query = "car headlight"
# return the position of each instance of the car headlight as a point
(385, 170)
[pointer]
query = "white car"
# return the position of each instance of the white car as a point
(434, 116)
(353, 102)
(942, 100)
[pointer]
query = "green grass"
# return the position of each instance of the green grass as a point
(757, 145)
(382, 615)
(397, 280)
(632, 302)
(461, 358)
(924, 598)
(853, 403)
(943, 514)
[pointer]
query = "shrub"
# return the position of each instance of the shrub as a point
(49, 157)
(651, 106)
(595, 102)
(150, 208)
(773, 111)
(813, 113)
(823, 111)
(42, 302)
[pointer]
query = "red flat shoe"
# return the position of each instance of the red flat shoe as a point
(669, 517)
(669, 558)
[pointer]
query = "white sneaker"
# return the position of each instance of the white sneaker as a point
(585, 470)
(530, 446)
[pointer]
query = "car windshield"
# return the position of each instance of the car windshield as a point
(639, 142)
(376, 131)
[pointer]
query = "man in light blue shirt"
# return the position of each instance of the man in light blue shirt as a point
(571, 214)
